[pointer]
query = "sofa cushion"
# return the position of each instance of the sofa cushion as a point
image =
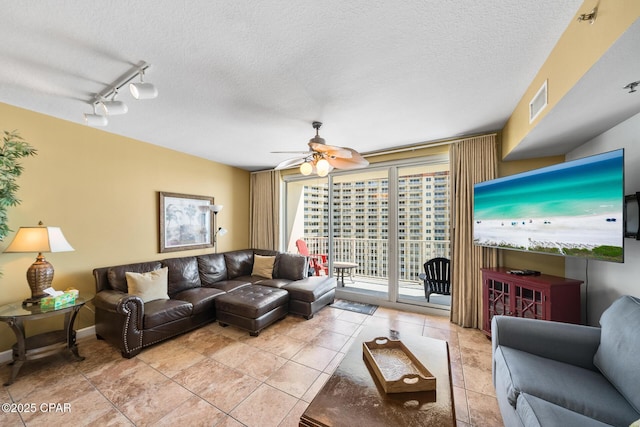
(618, 356)
(273, 283)
(148, 286)
(117, 278)
(263, 266)
(183, 274)
(311, 288)
(239, 263)
(577, 389)
(212, 268)
(202, 299)
(229, 285)
(536, 412)
(159, 312)
(291, 266)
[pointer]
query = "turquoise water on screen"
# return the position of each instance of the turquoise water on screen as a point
(589, 186)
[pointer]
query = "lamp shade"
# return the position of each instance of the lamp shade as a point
(39, 239)
(222, 231)
(323, 167)
(215, 208)
(306, 168)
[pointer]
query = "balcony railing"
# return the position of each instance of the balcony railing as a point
(372, 255)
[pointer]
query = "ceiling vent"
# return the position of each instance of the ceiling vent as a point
(538, 103)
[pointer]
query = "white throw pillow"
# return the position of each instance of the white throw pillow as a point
(149, 286)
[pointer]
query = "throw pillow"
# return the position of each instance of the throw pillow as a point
(263, 266)
(149, 286)
(617, 356)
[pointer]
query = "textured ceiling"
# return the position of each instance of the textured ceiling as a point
(238, 79)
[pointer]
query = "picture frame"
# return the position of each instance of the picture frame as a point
(186, 222)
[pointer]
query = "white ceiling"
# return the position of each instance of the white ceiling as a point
(239, 79)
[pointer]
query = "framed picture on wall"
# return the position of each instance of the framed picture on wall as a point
(186, 222)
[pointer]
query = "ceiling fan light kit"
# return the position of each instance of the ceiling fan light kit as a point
(103, 108)
(323, 158)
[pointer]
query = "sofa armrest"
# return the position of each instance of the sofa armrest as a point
(564, 342)
(119, 320)
(118, 302)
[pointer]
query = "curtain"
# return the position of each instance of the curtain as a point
(471, 161)
(264, 218)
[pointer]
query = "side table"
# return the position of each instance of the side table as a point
(44, 344)
(340, 269)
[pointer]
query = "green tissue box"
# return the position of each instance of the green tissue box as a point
(54, 303)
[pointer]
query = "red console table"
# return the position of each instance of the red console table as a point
(543, 297)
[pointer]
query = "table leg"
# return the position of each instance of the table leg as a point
(341, 275)
(71, 333)
(20, 353)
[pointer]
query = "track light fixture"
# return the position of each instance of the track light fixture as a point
(102, 105)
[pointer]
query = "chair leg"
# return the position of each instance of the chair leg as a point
(427, 291)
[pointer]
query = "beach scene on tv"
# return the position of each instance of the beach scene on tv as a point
(572, 209)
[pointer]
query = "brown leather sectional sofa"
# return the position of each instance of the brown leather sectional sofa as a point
(194, 286)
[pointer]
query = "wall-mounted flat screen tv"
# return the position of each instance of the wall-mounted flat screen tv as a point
(572, 209)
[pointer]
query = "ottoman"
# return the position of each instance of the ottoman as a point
(252, 307)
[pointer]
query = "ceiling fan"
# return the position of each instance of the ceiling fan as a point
(322, 158)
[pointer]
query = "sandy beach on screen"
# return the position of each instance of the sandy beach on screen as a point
(551, 232)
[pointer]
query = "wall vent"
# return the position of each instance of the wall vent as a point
(538, 103)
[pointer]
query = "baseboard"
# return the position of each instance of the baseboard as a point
(7, 356)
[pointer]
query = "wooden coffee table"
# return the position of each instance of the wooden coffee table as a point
(353, 396)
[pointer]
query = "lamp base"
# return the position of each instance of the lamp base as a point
(39, 277)
(34, 300)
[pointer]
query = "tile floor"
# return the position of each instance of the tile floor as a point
(222, 377)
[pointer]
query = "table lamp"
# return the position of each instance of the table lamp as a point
(39, 239)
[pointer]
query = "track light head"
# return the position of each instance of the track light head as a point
(112, 108)
(143, 90)
(95, 120)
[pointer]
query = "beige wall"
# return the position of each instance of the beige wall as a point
(580, 46)
(101, 189)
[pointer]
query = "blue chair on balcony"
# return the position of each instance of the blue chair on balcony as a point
(436, 277)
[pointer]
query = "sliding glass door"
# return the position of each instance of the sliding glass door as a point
(375, 226)
(360, 230)
(423, 226)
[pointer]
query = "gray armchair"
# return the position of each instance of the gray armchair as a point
(551, 374)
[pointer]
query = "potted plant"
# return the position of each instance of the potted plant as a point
(12, 149)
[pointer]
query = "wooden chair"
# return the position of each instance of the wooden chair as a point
(436, 277)
(317, 262)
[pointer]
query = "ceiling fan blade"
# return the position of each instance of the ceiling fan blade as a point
(356, 161)
(291, 152)
(291, 162)
(330, 150)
